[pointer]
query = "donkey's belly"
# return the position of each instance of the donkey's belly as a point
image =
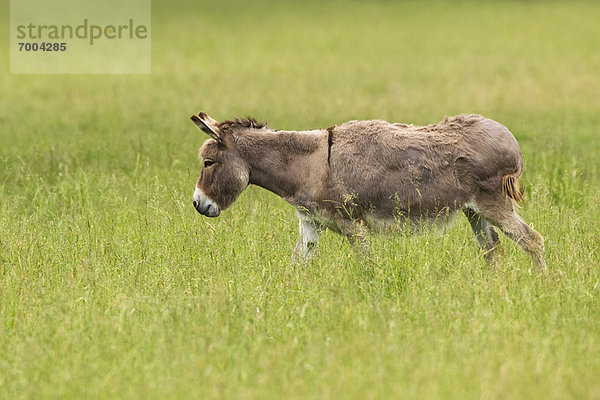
(413, 224)
(385, 221)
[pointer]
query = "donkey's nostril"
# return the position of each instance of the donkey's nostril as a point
(195, 204)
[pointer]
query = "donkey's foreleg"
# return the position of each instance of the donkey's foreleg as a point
(309, 236)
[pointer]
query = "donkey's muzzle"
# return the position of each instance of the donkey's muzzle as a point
(205, 205)
(209, 210)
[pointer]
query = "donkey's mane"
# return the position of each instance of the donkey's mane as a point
(248, 122)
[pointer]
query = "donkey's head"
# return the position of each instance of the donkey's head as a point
(225, 173)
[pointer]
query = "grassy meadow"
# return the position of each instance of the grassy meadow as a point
(113, 286)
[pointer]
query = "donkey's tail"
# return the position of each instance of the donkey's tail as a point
(511, 186)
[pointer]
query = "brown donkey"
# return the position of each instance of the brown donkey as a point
(371, 174)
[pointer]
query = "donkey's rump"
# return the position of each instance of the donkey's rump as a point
(490, 154)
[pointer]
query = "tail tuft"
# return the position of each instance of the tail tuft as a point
(511, 187)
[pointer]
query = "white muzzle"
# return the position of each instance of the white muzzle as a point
(204, 205)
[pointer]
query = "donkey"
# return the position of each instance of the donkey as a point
(363, 175)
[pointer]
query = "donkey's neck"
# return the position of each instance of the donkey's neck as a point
(290, 164)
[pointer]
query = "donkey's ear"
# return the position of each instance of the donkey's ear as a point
(208, 125)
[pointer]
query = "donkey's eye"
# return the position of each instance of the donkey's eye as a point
(208, 163)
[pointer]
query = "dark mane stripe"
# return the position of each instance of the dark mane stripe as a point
(329, 143)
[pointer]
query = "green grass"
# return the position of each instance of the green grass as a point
(112, 286)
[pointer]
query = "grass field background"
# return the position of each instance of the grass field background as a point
(112, 285)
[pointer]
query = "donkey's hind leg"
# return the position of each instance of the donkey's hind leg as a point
(484, 232)
(502, 215)
(530, 240)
